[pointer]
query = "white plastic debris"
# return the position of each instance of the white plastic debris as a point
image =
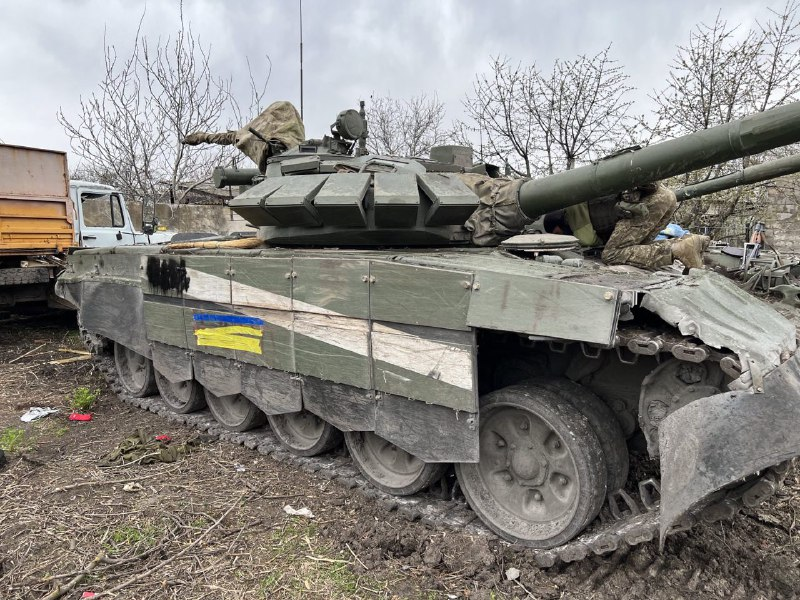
(132, 486)
(512, 573)
(37, 412)
(298, 512)
(239, 468)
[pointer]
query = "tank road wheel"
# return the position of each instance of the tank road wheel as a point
(304, 433)
(234, 412)
(603, 422)
(388, 467)
(182, 397)
(542, 472)
(135, 371)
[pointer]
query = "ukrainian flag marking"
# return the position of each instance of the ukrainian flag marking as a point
(234, 332)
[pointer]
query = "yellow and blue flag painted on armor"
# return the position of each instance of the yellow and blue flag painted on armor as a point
(234, 332)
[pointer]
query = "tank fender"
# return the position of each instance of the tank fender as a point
(111, 310)
(172, 362)
(721, 439)
(430, 432)
(709, 306)
(220, 376)
(274, 392)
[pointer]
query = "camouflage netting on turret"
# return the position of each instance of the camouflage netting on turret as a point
(279, 123)
(498, 216)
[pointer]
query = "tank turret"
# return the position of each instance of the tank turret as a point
(318, 194)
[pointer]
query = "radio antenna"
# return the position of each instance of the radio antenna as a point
(301, 60)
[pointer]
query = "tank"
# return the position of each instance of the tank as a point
(384, 303)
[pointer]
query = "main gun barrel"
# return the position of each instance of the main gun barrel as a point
(749, 175)
(751, 135)
(225, 176)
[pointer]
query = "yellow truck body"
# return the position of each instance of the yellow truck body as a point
(36, 213)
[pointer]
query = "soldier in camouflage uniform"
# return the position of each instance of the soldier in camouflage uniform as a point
(626, 227)
(279, 124)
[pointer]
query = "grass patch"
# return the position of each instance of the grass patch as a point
(83, 399)
(137, 537)
(305, 565)
(13, 439)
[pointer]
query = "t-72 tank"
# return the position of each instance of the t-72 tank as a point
(375, 305)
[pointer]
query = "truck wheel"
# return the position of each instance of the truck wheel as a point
(234, 412)
(304, 433)
(605, 425)
(182, 397)
(135, 371)
(388, 467)
(542, 472)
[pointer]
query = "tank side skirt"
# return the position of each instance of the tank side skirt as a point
(113, 310)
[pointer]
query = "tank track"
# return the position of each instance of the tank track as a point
(624, 521)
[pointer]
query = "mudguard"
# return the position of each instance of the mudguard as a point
(721, 439)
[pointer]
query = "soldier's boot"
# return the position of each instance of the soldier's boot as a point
(689, 250)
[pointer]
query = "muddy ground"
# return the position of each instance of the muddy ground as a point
(212, 524)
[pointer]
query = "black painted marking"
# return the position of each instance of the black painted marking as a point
(167, 275)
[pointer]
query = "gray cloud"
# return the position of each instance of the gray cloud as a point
(52, 52)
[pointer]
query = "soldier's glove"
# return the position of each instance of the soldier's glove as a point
(631, 210)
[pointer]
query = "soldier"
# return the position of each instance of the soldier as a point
(279, 124)
(626, 226)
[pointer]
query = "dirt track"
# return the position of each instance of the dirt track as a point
(212, 525)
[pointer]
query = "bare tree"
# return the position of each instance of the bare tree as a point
(724, 73)
(543, 123)
(405, 127)
(499, 115)
(129, 131)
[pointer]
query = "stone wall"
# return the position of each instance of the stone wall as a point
(211, 218)
(782, 217)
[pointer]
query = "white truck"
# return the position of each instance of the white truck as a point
(102, 218)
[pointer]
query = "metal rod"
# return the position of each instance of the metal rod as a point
(301, 60)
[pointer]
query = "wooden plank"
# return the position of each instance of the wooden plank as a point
(544, 307)
(274, 392)
(343, 406)
(332, 348)
(165, 323)
(333, 286)
(429, 432)
(403, 293)
(433, 365)
(262, 282)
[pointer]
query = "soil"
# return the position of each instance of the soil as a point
(212, 524)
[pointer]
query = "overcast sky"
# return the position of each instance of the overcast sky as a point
(51, 51)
